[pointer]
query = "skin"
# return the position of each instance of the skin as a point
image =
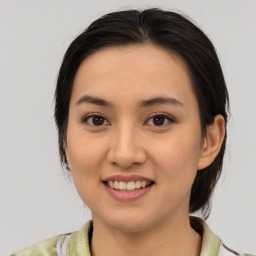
(128, 142)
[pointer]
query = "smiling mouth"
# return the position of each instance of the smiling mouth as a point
(128, 186)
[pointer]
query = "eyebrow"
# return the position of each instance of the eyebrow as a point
(94, 100)
(143, 103)
(159, 101)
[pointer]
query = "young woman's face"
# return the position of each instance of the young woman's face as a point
(134, 122)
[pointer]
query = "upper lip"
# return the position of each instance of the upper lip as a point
(127, 178)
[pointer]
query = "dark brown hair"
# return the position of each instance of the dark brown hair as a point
(175, 33)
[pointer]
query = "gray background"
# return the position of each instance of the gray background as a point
(37, 200)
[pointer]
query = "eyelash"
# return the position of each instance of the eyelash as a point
(168, 118)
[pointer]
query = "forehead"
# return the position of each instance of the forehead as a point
(134, 70)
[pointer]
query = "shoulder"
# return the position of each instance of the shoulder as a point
(211, 243)
(76, 243)
(45, 247)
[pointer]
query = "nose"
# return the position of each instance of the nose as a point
(126, 148)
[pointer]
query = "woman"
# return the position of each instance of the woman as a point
(141, 110)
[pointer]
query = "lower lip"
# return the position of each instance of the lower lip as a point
(127, 195)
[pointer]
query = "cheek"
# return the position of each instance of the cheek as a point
(86, 156)
(84, 149)
(177, 157)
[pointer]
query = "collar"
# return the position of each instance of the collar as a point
(210, 242)
(79, 241)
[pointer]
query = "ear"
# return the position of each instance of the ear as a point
(213, 139)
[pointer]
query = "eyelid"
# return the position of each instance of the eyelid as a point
(86, 117)
(169, 118)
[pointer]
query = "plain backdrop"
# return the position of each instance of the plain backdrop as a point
(37, 200)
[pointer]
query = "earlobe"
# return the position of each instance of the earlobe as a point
(214, 137)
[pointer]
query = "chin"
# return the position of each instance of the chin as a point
(126, 222)
(130, 226)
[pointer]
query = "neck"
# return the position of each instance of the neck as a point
(164, 239)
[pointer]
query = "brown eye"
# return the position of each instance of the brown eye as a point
(159, 120)
(95, 120)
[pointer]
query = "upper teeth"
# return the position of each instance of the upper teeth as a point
(131, 185)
